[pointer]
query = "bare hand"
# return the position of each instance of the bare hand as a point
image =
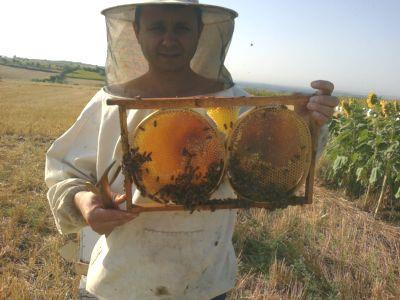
(101, 220)
(321, 106)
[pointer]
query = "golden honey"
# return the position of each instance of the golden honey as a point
(187, 156)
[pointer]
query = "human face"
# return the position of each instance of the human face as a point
(168, 36)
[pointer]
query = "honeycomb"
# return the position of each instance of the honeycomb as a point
(224, 117)
(269, 154)
(187, 156)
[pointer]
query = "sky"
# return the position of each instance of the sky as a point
(353, 43)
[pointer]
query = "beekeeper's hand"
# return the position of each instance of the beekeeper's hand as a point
(321, 106)
(101, 220)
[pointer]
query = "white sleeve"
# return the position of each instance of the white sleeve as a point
(70, 163)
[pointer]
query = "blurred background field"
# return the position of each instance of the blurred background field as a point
(333, 249)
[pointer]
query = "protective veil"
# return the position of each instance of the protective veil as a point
(126, 61)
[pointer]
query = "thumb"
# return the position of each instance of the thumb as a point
(323, 87)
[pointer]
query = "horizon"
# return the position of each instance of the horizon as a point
(243, 83)
(285, 44)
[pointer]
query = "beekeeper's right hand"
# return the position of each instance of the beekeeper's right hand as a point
(101, 220)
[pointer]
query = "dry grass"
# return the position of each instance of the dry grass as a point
(7, 72)
(40, 109)
(31, 116)
(329, 250)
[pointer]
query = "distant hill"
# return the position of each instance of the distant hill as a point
(39, 70)
(45, 65)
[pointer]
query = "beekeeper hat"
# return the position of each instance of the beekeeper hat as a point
(126, 62)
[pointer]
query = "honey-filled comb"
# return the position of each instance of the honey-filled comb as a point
(180, 157)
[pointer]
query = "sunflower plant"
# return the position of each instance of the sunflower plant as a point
(363, 152)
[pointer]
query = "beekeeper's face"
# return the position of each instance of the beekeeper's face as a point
(168, 36)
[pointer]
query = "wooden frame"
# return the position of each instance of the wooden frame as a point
(206, 102)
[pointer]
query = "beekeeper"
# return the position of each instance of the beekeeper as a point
(155, 49)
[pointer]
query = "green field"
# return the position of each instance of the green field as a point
(37, 70)
(327, 250)
(83, 74)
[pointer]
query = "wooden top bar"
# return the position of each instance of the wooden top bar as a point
(193, 102)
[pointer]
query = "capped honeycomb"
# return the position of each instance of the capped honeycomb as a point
(186, 157)
(269, 153)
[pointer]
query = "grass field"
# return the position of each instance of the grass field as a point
(328, 250)
(83, 74)
(21, 74)
(79, 77)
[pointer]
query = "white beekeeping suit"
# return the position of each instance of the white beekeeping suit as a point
(175, 255)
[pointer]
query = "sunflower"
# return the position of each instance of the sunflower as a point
(387, 107)
(396, 106)
(372, 100)
(346, 108)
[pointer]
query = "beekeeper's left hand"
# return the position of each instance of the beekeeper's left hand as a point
(321, 106)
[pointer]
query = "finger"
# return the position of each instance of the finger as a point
(330, 101)
(325, 110)
(119, 199)
(98, 201)
(301, 105)
(302, 101)
(108, 227)
(101, 215)
(319, 118)
(324, 87)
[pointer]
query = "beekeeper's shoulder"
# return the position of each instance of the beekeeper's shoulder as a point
(93, 107)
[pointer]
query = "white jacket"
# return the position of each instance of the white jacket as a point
(168, 255)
